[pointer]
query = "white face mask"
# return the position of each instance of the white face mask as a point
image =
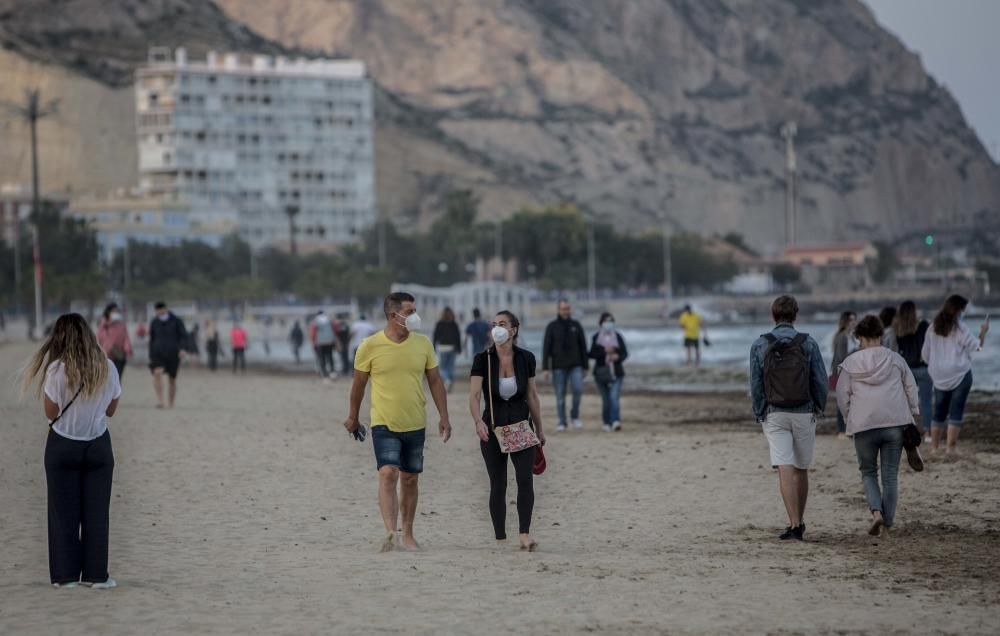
(115, 316)
(608, 325)
(411, 322)
(164, 317)
(500, 335)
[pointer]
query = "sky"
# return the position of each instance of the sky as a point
(959, 43)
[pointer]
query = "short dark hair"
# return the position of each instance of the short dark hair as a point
(394, 301)
(887, 315)
(476, 313)
(604, 317)
(869, 328)
(785, 309)
(160, 305)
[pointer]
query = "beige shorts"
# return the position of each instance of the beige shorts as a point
(791, 437)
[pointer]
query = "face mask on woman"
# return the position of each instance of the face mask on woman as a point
(608, 325)
(115, 316)
(500, 335)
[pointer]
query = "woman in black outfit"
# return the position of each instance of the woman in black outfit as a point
(515, 399)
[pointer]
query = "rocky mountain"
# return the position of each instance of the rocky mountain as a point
(643, 112)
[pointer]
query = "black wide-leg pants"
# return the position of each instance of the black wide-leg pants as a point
(79, 486)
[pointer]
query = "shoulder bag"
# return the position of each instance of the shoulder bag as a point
(512, 437)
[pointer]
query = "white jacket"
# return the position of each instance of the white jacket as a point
(949, 357)
(876, 389)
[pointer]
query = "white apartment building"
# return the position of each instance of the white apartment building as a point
(269, 137)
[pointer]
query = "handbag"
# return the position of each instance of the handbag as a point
(603, 374)
(512, 437)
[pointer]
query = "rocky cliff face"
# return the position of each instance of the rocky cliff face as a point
(642, 111)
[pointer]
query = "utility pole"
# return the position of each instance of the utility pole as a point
(668, 283)
(591, 263)
(788, 132)
(382, 260)
(17, 260)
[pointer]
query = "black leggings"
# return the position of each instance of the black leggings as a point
(239, 359)
(496, 466)
(79, 484)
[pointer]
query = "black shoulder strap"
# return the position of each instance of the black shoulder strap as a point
(66, 408)
(770, 337)
(800, 339)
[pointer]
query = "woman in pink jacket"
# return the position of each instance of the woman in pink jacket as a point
(877, 394)
(112, 335)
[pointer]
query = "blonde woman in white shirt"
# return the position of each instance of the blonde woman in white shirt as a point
(948, 350)
(80, 389)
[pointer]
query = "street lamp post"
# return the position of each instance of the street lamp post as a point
(591, 263)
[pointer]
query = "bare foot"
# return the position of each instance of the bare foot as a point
(876, 528)
(527, 543)
(388, 543)
(410, 544)
(841, 435)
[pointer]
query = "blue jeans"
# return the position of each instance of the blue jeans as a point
(446, 360)
(575, 378)
(925, 390)
(949, 406)
(611, 411)
(887, 442)
(404, 450)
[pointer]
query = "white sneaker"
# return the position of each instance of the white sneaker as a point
(606, 428)
(616, 426)
(561, 428)
(65, 585)
(577, 424)
(106, 585)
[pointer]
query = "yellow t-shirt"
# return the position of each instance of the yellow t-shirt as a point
(691, 323)
(397, 378)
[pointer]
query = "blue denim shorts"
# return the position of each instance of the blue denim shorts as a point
(949, 406)
(405, 450)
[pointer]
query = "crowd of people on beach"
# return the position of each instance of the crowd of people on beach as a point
(897, 379)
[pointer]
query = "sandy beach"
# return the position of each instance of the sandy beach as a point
(248, 509)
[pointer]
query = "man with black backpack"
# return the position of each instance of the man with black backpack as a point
(788, 386)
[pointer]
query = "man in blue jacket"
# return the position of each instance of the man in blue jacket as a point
(788, 386)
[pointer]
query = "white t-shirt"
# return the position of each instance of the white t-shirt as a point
(85, 419)
(359, 331)
(949, 358)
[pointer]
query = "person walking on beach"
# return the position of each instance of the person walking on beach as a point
(565, 353)
(295, 340)
(112, 335)
(396, 361)
(477, 332)
(788, 387)
(691, 323)
(948, 349)
(877, 394)
(910, 333)
(238, 345)
(448, 344)
(842, 347)
(360, 330)
(506, 373)
(343, 331)
(213, 345)
(167, 338)
(608, 350)
(886, 317)
(324, 340)
(80, 391)
(192, 347)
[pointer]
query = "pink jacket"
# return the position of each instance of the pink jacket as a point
(112, 334)
(876, 389)
(238, 338)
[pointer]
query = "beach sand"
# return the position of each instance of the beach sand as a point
(248, 509)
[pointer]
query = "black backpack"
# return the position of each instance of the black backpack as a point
(786, 372)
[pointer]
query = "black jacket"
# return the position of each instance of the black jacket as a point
(516, 408)
(447, 333)
(167, 337)
(564, 346)
(597, 353)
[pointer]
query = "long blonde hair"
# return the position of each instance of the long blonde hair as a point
(74, 344)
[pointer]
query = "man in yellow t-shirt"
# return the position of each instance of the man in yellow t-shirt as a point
(691, 324)
(396, 361)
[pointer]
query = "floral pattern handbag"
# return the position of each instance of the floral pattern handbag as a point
(514, 437)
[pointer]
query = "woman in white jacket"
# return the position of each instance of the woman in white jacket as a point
(877, 394)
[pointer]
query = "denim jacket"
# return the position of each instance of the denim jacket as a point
(817, 375)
